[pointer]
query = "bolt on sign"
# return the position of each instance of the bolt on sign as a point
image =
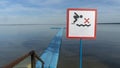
(81, 23)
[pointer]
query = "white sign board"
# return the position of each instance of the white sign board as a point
(81, 23)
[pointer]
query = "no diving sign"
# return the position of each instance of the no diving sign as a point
(81, 23)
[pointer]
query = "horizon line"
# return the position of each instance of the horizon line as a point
(51, 24)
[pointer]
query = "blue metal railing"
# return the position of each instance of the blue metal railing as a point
(51, 54)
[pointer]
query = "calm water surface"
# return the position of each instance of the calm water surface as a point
(103, 52)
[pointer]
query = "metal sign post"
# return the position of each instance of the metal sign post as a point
(80, 53)
(81, 24)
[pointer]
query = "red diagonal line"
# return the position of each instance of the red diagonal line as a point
(86, 20)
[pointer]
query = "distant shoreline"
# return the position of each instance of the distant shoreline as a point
(45, 24)
(108, 23)
(27, 24)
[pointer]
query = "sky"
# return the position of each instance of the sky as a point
(54, 11)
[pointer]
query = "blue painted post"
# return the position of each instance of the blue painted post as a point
(80, 53)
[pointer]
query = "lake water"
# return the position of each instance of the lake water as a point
(17, 40)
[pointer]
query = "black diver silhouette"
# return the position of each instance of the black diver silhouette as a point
(76, 16)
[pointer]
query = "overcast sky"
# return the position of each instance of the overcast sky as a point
(54, 11)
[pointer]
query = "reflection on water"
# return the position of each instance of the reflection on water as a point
(18, 40)
(103, 52)
(100, 53)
